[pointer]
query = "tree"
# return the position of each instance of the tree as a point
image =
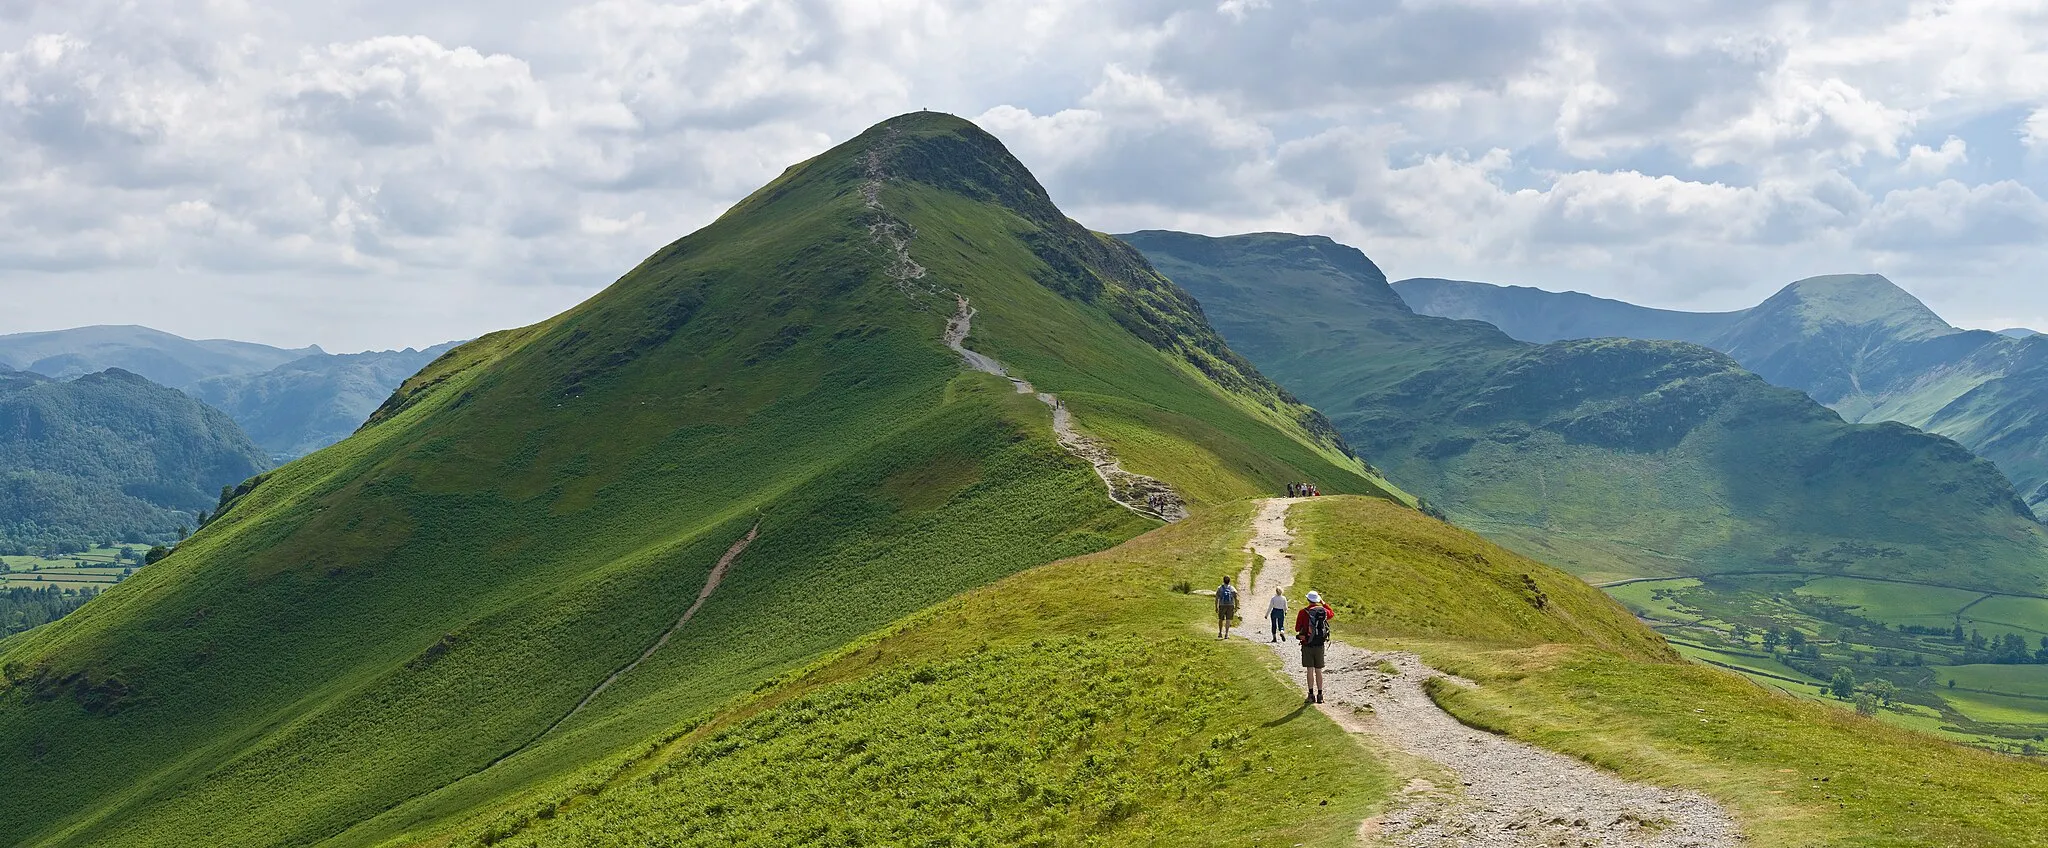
(155, 554)
(1957, 634)
(1866, 704)
(1883, 690)
(1843, 685)
(1795, 637)
(1741, 632)
(1773, 638)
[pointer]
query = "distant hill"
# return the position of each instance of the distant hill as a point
(1535, 315)
(312, 402)
(159, 356)
(1857, 343)
(2019, 333)
(292, 402)
(110, 456)
(1614, 458)
(416, 623)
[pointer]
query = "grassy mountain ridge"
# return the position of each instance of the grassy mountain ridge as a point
(1857, 343)
(110, 456)
(1012, 715)
(1610, 457)
(372, 640)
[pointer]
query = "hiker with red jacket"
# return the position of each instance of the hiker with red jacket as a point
(1312, 629)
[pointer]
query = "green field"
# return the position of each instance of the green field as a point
(98, 567)
(1855, 623)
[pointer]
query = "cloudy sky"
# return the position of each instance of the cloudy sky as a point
(383, 173)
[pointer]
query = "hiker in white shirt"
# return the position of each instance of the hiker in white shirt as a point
(1276, 610)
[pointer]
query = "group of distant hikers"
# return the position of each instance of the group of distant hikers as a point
(1311, 629)
(1303, 490)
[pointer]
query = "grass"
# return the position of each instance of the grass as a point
(1013, 715)
(98, 567)
(1795, 772)
(1858, 624)
(368, 643)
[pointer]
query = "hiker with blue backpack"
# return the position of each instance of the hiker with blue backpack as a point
(1226, 608)
(1312, 629)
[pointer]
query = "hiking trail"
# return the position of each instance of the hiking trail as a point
(1144, 495)
(1505, 793)
(710, 585)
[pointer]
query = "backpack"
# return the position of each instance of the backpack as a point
(1318, 625)
(1226, 596)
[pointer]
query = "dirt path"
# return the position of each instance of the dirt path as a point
(710, 585)
(1492, 791)
(1141, 494)
(1144, 495)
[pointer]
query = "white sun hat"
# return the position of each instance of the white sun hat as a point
(1315, 598)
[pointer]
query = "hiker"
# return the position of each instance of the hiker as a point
(1312, 628)
(1276, 610)
(1226, 608)
(1291, 489)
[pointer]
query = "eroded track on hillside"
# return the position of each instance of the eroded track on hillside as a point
(1144, 495)
(1476, 789)
(711, 582)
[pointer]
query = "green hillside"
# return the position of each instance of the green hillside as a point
(1612, 458)
(1012, 715)
(109, 457)
(378, 637)
(1855, 342)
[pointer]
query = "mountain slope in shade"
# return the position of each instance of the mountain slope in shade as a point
(1613, 457)
(1857, 343)
(110, 456)
(1535, 315)
(314, 401)
(380, 636)
(159, 356)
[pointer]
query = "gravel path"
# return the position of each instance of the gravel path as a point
(1507, 793)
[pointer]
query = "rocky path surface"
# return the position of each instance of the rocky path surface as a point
(1145, 495)
(1493, 791)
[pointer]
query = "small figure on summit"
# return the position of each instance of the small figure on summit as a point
(1276, 610)
(1226, 608)
(1312, 629)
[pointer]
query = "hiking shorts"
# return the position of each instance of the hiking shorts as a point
(1225, 612)
(1311, 655)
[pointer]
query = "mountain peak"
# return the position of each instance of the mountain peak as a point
(1859, 300)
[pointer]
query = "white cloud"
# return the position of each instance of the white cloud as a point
(518, 155)
(1922, 160)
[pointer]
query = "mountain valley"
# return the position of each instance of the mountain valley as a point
(884, 510)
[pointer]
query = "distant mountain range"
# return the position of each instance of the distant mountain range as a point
(1613, 458)
(159, 356)
(1857, 343)
(290, 401)
(110, 456)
